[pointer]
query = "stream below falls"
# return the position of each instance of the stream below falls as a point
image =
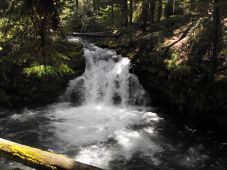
(103, 119)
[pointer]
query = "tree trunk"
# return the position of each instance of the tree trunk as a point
(169, 8)
(43, 37)
(159, 10)
(130, 11)
(112, 9)
(215, 45)
(152, 11)
(192, 5)
(77, 8)
(124, 12)
(203, 5)
(39, 159)
(144, 17)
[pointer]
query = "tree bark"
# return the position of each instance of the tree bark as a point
(43, 37)
(77, 8)
(152, 11)
(112, 9)
(130, 11)
(159, 10)
(124, 12)
(39, 159)
(215, 38)
(192, 5)
(169, 8)
(144, 17)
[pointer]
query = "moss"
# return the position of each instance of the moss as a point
(26, 154)
(29, 155)
(113, 44)
(171, 63)
(74, 54)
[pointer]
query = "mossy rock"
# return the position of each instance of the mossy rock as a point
(75, 55)
(66, 46)
(113, 44)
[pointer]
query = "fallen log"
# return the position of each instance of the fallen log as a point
(95, 35)
(38, 159)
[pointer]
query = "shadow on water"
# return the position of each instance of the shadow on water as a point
(181, 148)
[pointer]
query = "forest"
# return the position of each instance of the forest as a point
(170, 56)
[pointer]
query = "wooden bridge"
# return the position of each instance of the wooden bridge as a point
(39, 159)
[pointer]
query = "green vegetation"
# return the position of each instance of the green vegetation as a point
(35, 59)
(181, 59)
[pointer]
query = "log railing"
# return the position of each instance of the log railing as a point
(39, 159)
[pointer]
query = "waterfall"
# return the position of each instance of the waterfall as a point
(106, 80)
(94, 120)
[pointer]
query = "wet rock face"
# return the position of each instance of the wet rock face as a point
(106, 79)
(77, 95)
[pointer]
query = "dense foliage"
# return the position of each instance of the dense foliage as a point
(33, 52)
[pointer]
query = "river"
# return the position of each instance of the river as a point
(103, 119)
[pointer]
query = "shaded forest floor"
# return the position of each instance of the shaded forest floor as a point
(172, 61)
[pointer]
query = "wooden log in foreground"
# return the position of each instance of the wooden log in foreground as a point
(39, 159)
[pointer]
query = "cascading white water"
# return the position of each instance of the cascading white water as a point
(108, 101)
(101, 118)
(106, 80)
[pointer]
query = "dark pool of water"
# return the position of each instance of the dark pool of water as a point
(182, 148)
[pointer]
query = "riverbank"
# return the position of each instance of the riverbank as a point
(172, 64)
